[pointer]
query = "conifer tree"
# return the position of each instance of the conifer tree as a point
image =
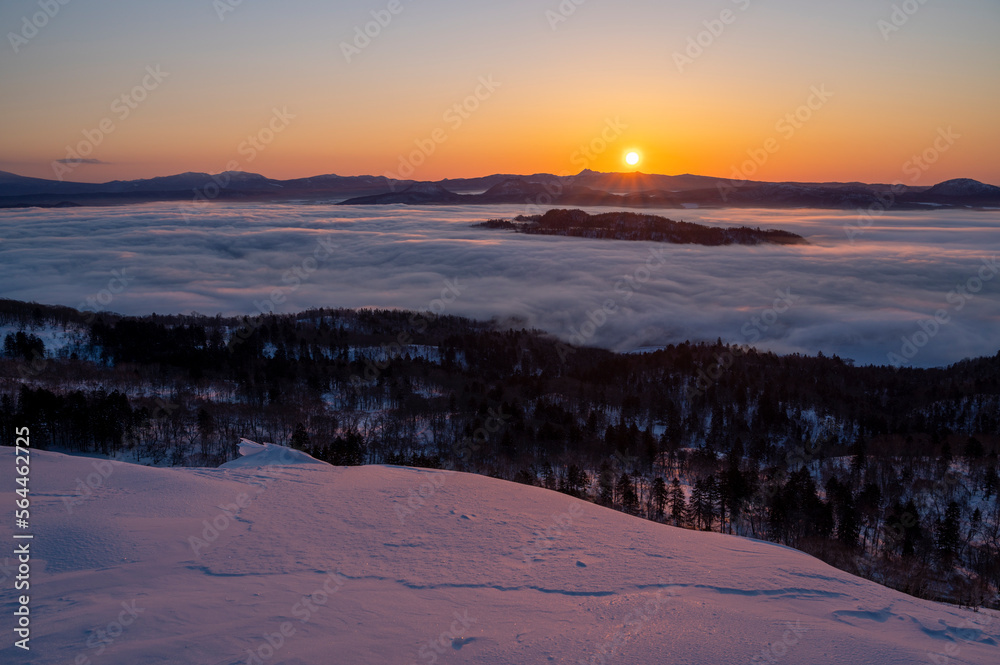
(948, 534)
(659, 499)
(626, 495)
(678, 503)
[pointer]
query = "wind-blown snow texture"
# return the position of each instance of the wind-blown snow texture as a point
(402, 565)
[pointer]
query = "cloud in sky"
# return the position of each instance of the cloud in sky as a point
(855, 300)
(81, 160)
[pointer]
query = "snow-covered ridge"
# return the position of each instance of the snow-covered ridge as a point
(295, 563)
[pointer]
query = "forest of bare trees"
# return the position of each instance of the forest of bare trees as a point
(888, 473)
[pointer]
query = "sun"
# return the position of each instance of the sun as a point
(632, 158)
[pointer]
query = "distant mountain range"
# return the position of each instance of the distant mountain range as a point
(588, 188)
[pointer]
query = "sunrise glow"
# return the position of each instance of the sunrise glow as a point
(361, 97)
(505, 332)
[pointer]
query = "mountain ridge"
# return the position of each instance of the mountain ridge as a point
(587, 188)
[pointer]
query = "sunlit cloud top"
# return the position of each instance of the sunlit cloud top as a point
(864, 299)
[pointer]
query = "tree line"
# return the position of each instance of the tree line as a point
(888, 473)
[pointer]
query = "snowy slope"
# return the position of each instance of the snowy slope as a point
(59, 340)
(399, 566)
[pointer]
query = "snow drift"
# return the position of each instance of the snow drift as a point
(265, 561)
(255, 455)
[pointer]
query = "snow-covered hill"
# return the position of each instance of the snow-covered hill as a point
(278, 560)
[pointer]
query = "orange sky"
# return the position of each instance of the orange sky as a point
(534, 93)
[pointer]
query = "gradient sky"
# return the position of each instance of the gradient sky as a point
(558, 88)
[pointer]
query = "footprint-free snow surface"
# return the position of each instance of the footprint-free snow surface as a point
(278, 559)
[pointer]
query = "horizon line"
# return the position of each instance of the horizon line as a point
(489, 175)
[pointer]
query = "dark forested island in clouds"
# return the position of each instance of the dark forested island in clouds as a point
(636, 226)
(587, 188)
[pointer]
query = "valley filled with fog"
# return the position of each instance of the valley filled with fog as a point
(859, 287)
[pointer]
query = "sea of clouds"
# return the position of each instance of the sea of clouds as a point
(863, 299)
